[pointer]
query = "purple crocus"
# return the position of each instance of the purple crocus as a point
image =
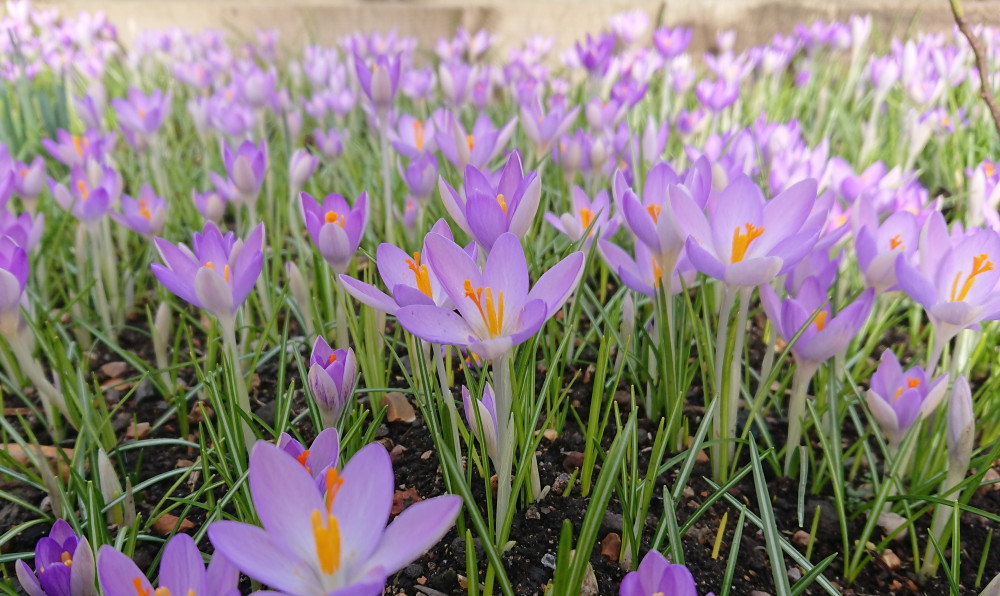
(747, 241)
(335, 227)
(484, 413)
(421, 176)
(590, 217)
(30, 178)
(322, 453)
(85, 200)
(143, 215)
(656, 576)
(541, 128)
(671, 43)
(717, 95)
(408, 278)
(329, 143)
(64, 565)
(246, 167)
(317, 543)
(412, 137)
(595, 53)
(489, 210)
(379, 79)
(496, 309)
(24, 230)
(300, 168)
(332, 374)
(211, 204)
(182, 571)
(644, 274)
(75, 149)
(878, 246)
(898, 398)
(218, 274)
(13, 280)
(141, 114)
(477, 147)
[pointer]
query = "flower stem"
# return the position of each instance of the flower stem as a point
(389, 230)
(449, 402)
(505, 430)
(720, 422)
(46, 390)
(228, 325)
(796, 408)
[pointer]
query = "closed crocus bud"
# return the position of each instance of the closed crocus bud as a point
(483, 416)
(302, 166)
(294, 121)
(210, 204)
(332, 374)
(64, 564)
(111, 488)
(300, 293)
(628, 319)
(961, 426)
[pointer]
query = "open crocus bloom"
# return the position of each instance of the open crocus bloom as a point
(218, 274)
(476, 147)
(64, 564)
(335, 227)
(898, 398)
(182, 572)
(656, 576)
(316, 543)
(409, 279)
(496, 310)
(956, 278)
(322, 453)
(144, 215)
(827, 334)
(488, 209)
(586, 213)
(878, 248)
(747, 241)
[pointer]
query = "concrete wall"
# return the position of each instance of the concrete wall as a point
(324, 21)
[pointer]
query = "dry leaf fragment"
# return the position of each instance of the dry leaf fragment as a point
(166, 523)
(398, 409)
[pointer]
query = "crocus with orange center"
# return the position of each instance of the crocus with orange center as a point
(322, 454)
(64, 564)
(182, 572)
(589, 219)
(476, 147)
(879, 245)
(898, 398)
(144, 215)
(336, 227)
(320, 541)
(332, 375)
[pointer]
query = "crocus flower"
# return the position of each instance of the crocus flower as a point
(877, 249)
(182, 571)
(421, 176)
(75, 149)
(379, 79)
(30, 178)
(335, 227)
(496, 310)
(671, 43)
(827, 334)
(595, 54)
(961, 426)
(644, 274)
(13, 280)
(899, 398)
(86, 201)
(144, 215)
(656, 576)
(316, 544)
(955, 280)
(717, 95)
(329, 143)
(412, 137)
(141, 114)
(485, 414)
(543, 129)
(586, 213)
(748, 241)
(246, 168)
(64, 565)
(332, 374)
(476, 148)
(302, 166)
(409, 280)
(322, 453)
(211, 204)
(489, 210)
(218, 274)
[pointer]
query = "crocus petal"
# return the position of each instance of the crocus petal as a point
(555, 285)
(369, 294)
(435, 324)
(363, 503)
(703, 260)
(524, 215)
(506, 269)
(261, 557)
(414, 532)
(117, 573)
(181, 569)
(883, 413)
(213, 293)
(27, 579)
(752, 272)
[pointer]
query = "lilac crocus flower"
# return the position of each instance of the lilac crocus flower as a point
(412, 137)
(656, 576)
(182, 571)
(13, 280)
(24, 230)
(877, 249)
(335, 227)
(644, 274)
(301, 167)
(955, 280)
(748, 241)
(476, 148)
(64, 565)
(718, 95)
(211, 204)
(496, 310)
(144, 215)
(86, 201)
(246, 167)
(332, 374)
(671, 43)
(316, 544)
(322, 453)
(595, 54)
(218, 274)
(141, 114)
(30, 178)
(379, 80)
(827, 334)
(898, 398)
(484, 413)
(75, 149)
(543, 129)
(586, 213)
(409, 280)
(329, 143)
(489, 210)
(421, 176)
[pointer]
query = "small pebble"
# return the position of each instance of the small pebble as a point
(560, 484)
(800, 538)
(532, 513)
(572, 461)
(549, 560)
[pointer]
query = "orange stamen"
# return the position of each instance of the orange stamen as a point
(895, 243)
(84, 192)
(503, 203)
(303, 457)
(471, 142)
(493, 314)
(654, 212)
(586, 217)
(741, 242)
(657, 273)
(418, 134)
(980, 265)
(137, 582)
(332, 359)
(334, 218)
(420, 274)
(66, 559)
(333, 484)
(820, 320)
(144, 209)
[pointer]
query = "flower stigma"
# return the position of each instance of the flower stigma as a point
(980, 264)
(741, 242)
(420, 274)
(493, 314)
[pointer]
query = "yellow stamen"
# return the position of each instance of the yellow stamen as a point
(980, 264)
(503, 203)
(84, 191)
(741, 242)
(657, 273)
(333, 484)
(820, 320)
(335, 218)
(470, 141)
(144, 209)
(225, 270)
(66, 559)
(161, 591)
(137, 582)
(945, 120)
(493, 313)
(654, 212)
(80, 144)
(586, 217)
(418, 134)
(989, 170)
(327, 540)
(420, 274)
(895, 243)
(142, 114)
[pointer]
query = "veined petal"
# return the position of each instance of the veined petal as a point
(414, 532)
(555, 285)
(117, 573)
(507, 270)
(263, 558)
(435, 324)
(369, 294)
(181, 569)
(363, 503)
